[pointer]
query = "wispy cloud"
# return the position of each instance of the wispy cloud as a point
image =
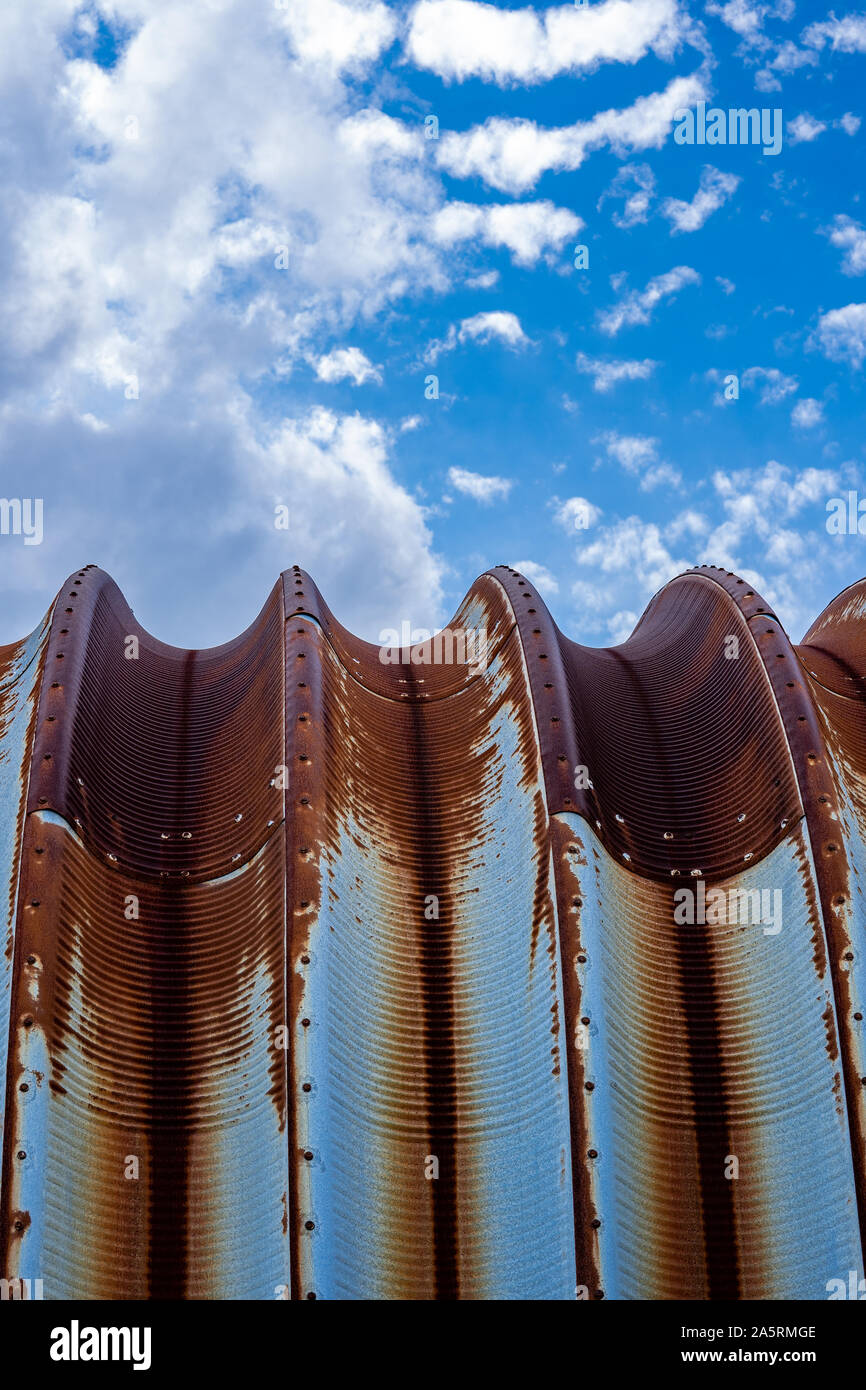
(347, 363)
(496, 325)
(458, 39)
(714, 190)
(512, 154)
(528, 230)
(482, 488)
(607, 372)
(637, 306)
(849, 236)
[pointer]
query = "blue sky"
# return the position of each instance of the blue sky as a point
(230, 259)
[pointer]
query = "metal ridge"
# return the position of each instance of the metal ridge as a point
(338, 972)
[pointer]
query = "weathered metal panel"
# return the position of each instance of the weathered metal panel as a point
(335, 974)
(717, 1111)
(20, 675)
(431, 1007)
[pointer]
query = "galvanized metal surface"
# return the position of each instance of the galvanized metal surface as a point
(331, 977)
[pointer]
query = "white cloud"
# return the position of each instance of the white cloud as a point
(807, 413)
(774, 385)
(846, 35)
(804, 128)
(849, 123)
(512, 154)
(528, 230)
(727, 286)
(638, 454)
(483, 489)
(788, 58)
(637, 305)
(347, 362)
(758, 499)
(841, 334)
(343, 460)
(633, 549)
(714, 190)
(747, 20)
(206, 213)
(687, 523)
(753, 515)
(621, 626)
(850, 236)
(606, 372)
(538, 575)
(487, 280)
(576, 514)
(635, 183)
(633, 451)
(341, 36)
(458, 39)
(497, 325)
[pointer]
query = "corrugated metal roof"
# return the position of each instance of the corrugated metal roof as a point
(340, 977)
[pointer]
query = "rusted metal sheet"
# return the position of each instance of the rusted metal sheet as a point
(339, 972)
